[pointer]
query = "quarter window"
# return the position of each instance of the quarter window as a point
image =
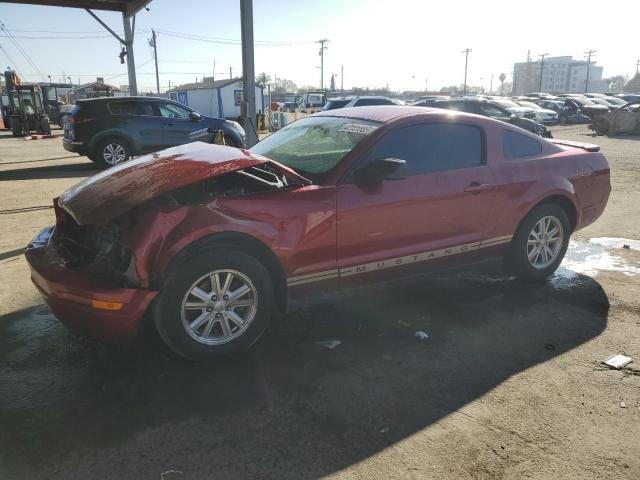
(516, 145)
(432, 147)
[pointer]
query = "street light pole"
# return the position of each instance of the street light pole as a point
(541, 68)
(589, 53)
(466, 61)
(321, 53)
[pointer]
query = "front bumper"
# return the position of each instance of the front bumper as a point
(71, 293)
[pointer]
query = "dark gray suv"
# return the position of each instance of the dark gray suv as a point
(110, 130)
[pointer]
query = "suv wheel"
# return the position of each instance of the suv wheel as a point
(539, 245)
(215, 303)
(111, 152)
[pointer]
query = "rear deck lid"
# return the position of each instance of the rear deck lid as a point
(107, 195)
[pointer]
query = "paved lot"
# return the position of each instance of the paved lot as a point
(508, 384)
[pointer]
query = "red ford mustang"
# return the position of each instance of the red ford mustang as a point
(211, 240)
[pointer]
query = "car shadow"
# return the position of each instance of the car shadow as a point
(74, 170)
(290, 408)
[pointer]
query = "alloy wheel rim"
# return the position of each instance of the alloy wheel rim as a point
(114, 153)
(219, 307)
(545, 242)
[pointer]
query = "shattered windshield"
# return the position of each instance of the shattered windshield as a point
(314, 145)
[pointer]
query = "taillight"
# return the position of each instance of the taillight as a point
(79, 120)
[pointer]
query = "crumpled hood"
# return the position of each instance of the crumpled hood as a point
(99, 199)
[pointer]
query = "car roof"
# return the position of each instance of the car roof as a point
(388, 113)
(118, 99)
(355, 97)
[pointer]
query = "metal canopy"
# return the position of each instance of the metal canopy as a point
(128, 7)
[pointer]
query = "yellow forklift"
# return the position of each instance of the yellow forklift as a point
(26, 109)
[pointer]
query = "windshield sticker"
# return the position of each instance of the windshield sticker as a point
(355, 128)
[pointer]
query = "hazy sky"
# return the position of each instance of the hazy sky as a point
(401, 43)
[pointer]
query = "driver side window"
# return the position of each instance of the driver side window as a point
(170, 110)
(432, 147)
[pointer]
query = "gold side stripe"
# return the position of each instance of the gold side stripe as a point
(396, 262)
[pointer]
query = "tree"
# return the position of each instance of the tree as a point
(333, 83)
(616, 83)
(263, 79)
(282, 85)
(502, 78)
(633, 86)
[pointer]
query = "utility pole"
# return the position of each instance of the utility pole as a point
(491, 85)
(588, 53)
(152, 43)
(321, 53)
(541, 68)
(342, 76)
(230, 72)
(637, 66)
(466, 61)
(248, 73)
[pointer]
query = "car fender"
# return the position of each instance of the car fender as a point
(112, 132)
(539, 191)
(194, 232)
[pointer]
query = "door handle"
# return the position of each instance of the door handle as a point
(476, 187)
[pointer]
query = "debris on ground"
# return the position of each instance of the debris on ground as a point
(618, 361)
(170, 472)
(403, 323)
(623, 405)
(421, 335)
(384, 430)
(330, 344)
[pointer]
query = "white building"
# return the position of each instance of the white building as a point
(220, 98)
(559, 75)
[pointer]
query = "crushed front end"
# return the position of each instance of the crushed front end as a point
(88, 278)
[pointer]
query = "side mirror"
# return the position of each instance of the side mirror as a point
(513, 117)
(195, 116)
(377, 170)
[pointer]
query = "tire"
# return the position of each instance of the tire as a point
(230, 142)
(110, 152)
(547, 260)
(45, 126)
(16, 128)
(226, 334)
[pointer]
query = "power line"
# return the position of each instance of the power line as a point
(11, 61)
(21, 50)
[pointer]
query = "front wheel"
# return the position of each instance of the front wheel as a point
(215, 303)
(540, 243)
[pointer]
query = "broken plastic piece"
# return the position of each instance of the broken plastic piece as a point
(330, 344)
(618, 361)
(422, 335)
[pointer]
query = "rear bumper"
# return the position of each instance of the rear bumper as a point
(69, 292)
(73, 146)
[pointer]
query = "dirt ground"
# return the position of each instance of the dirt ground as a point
(509, 384)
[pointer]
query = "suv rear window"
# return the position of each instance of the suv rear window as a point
(333, 104)
(372, 101)
(516, 145)
(131, 108)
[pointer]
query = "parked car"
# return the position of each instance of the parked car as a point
(628, 97)
(513, 107)
(625, 119)
(212, 240)
(568, 113)
(586, 106)
(109, 130)
(493, 110)
(354, 101)
(548, 117)
(429, 101)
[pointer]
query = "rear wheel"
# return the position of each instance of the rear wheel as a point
(45, 126)
(216, 303)
(111, 152)
(540, 243)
